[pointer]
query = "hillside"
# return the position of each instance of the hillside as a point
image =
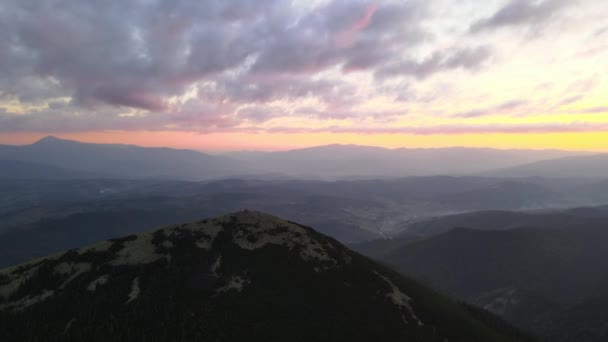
(506, 220)
(468, 262)
(533, 277)
(232, 278)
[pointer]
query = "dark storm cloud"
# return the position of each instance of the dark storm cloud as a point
(521, 12)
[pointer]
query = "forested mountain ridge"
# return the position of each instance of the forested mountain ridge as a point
(274, 280)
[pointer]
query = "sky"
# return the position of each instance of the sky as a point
(278, 74)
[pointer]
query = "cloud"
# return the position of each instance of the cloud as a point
(347, 36)
(593, 110)
(540, 128)
(601, 31)
(570, 100)
(344, 33)
(208, 65)
(206, 118)
(194, 116)
(140, 54)
(131, 98)
(259, 114)
(503, 108)
(521, 12)
(263, 89)
(460, 58)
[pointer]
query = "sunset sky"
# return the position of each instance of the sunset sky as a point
(277, 74)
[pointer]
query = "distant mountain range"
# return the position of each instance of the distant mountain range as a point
(352, 161)
(590, 166)
(51, 155)
(544, 272)
(241, 277)
(121, 161)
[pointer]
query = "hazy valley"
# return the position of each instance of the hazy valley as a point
(527, 249)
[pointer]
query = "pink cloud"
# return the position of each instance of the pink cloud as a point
(346, 37)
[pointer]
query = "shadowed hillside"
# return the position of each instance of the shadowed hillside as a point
(228, 278)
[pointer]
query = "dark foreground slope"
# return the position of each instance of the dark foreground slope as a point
(550, 281)
(234, 278)
(565, 265)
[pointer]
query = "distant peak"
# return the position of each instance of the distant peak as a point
(48, 139)
(342, 147)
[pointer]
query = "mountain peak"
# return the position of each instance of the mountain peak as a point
(50, 139)
(227, 278)
(246, 230)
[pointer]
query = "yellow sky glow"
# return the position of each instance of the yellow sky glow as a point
(589, 141)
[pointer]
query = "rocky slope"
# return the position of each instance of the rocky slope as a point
(233, 278)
